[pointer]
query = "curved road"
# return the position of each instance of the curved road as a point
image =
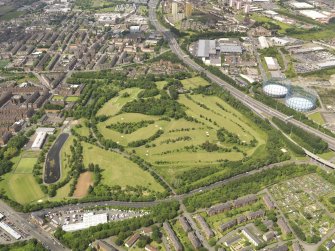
(171, 198)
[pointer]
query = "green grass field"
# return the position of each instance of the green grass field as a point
(58, 98)
(83, 130)
(118, 170)
(71, 99)
(25, 165)
(115, 104)
(261, 18)
(65, 154)
(3, 63)
(21, 188)
(317, 117)
(192, 83)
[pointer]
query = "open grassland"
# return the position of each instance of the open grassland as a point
(117, 170)
(21, 188)
(113, 106)
(65, 155)
(195, 82)
(317, 117)
(25, 165)
(261, 18)
(71, 99)
(82, 129)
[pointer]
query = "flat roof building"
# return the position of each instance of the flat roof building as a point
(263, 43)
(10, 230)
(89, 220)
(271, 63)
(39, 141)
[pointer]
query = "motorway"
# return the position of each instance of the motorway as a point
(258, 107)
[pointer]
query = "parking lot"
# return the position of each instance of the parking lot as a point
(5, 236)
(76, 216)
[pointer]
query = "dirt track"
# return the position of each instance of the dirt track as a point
(84, 181)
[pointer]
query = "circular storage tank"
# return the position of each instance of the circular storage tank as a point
(277, 88)
(300, 100)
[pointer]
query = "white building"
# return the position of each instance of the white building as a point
(301, 5)
(89, 220)
(263, 43)
(10, 230)
(47, 130)
(39, 141)
(313, 14)
(271, 63)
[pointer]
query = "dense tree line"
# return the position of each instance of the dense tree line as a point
(80, 240)
(30, 245)
(245, 185)
(148, 93)
(129, 127)
(142, 142)
(11, 150)
(152, 106)
(309, 141)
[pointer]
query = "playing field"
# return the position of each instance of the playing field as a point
(118, 170)
(25, 165)
(24, 189)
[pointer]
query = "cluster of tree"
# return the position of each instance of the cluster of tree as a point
(309, 141)
(245, 185)
(107, 143)
(182, 138)
(129, 127)
(151, 106)
(210, 147)
(226, 136)
(80, 240)
(12, 149)
(30, 245)
(147, 93)
(50, 106)
(191, 176)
